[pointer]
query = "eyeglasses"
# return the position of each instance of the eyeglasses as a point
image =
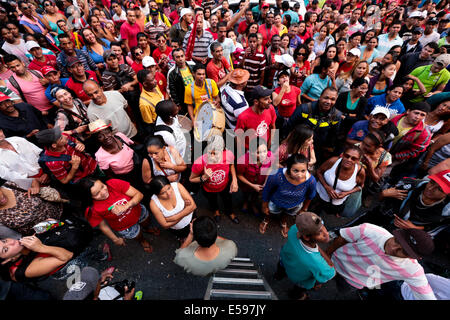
(161, 40)
(138, 53)
(48, 4)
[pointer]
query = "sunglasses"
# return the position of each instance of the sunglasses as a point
(346, 156)
(48, 5)
(138, 53)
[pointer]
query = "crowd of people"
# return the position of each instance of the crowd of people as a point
(333, 108)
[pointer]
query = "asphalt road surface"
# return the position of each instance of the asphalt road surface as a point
(161, 279)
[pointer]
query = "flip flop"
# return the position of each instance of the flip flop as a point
(284, 230)
(263, 226)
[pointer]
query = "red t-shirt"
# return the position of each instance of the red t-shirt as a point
(157, 53)
(214, 34)
(50, 60)
(117, 189)
(129, 32)
(137, 67)
(289, 101)
(215, 73)
(220, 176)
(261, 123)
(267, 34)
(162, 82)
(242, 27)
(77, 86)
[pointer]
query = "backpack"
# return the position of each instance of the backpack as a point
(74, 235)
(14, 83)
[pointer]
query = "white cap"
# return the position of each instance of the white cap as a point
(382, 110)
(285, 59)
(416, 14)
(31, 44)
(355, 52)
(185, 11)
(148, 62)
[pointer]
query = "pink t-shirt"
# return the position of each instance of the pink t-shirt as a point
(119, 163)
(33, 91)
(129, 32)
(220, 171)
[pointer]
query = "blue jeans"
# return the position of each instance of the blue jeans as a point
(133, 231)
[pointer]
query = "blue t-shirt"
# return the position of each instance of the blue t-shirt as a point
(94, 55)
(359, 130)
(313, 85)
(286, 195)
(48, 91)
(395, 108)
(304, 266)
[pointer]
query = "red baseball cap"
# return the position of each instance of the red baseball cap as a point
(265, 5)
(47, 69)
(442, 179)
(4, 97)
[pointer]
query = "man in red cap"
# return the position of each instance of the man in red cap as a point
(53, 77)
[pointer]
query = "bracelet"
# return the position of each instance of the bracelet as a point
(201, 180)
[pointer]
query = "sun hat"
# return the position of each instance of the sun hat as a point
(97, 126)
(239, 76)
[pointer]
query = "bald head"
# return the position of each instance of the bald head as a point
(94, 92)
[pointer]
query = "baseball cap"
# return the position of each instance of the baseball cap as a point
(443, 180)
(184, 11)
(415, 14)
(308, 223)
(31, 44)
(72, 60)
(417, 30)
(382, 110)
(48, 136)
(4, 97)
(148, 62)
(154, 12)
(47, 69)
(265, 5)
(356, 52)
(107, 54)
(443, 59)
(432, 21)
(88, 282)
(285, 59)
(417, 243)
(260, 92)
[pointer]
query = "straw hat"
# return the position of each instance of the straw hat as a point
(239, 76)
(98, 125)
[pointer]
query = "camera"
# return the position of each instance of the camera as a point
(120, 286)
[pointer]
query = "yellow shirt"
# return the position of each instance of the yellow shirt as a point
(187, 76)
(147, 104)
(283, 30)
(200, 94)
(402, 130)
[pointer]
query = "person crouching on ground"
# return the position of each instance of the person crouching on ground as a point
(301, 258)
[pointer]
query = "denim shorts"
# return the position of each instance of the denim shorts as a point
(274, 209)
(133, 231)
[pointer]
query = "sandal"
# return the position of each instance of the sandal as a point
(146, 245)
(284, 230)
(263, 226)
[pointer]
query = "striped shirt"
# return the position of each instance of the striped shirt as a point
(85, 59)
(233, 103)
(364, 263)
(152, 30)
(255, 64)
(201, 44)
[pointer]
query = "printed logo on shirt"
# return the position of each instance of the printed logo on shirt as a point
(262, 128)
(360, 134)
(122, 202)
(217, 177)
(204, 97)
(285, 102)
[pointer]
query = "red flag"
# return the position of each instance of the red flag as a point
(191, 42)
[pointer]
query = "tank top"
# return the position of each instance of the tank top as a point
(178, 208)
(160, 172)
(341, 186)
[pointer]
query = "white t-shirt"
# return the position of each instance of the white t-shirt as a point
(364, 263)
(18, 50)
(113, 112)
(177, 139)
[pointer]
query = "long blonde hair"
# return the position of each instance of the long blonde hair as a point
(349, 74)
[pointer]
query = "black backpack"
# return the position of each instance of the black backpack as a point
(74, 235)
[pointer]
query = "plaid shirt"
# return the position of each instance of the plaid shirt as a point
(85, 59)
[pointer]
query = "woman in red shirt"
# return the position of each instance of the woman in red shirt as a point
(115, 209)
(301, 68)
(137, 54)
(286, 97)
(212, 171)
(162, 52)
